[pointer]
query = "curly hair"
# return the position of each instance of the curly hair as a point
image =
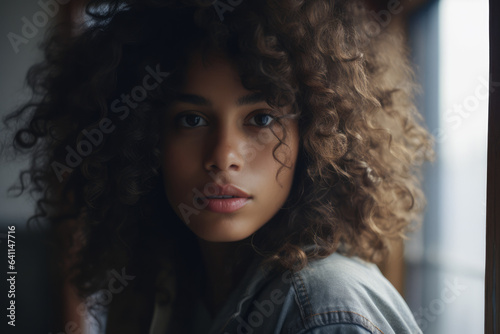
(97, 166)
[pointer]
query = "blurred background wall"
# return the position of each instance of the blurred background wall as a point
(445, 259)
(33, 291)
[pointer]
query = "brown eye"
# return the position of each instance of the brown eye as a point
(263, 120)
(190, 120)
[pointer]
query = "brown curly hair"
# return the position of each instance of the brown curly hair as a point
(357, 179)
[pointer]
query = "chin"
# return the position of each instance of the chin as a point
(222, 233)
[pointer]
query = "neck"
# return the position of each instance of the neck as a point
(225, 264)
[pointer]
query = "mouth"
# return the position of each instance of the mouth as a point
(225, 205)
(226, 198)
(227, 191)
(223, 197)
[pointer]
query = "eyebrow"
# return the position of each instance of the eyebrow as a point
(252, 98)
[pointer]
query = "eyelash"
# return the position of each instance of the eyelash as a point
(178, 119)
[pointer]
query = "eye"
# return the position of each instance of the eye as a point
(190, 120)
(263, 120)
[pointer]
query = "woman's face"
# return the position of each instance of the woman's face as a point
(218, 141)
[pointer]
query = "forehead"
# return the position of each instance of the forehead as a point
(212, 80)
(215, 78)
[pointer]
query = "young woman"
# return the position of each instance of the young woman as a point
(227, 167)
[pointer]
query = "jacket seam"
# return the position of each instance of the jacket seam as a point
(308, 303)
(308, 330)
(312, 315)
(309, 307)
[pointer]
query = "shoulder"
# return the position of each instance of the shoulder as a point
(340, 277)
(340, 291)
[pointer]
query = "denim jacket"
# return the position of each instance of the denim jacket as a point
(337, 294)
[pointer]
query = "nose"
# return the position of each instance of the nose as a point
(224, 150)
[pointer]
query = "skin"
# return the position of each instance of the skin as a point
(228, 144)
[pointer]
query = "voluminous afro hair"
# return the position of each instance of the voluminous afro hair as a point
(362, 141)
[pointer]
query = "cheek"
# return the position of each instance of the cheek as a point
(180, 156)
(178, 166)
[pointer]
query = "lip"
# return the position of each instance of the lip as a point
(226, 205)
(228, 190)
